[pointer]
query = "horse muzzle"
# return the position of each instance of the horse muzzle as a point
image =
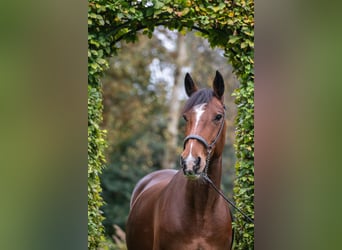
(191, 166)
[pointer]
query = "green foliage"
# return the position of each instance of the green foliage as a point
(108, 244)
(229, 25)
(240, 51)
(96, 145)
(98, 50)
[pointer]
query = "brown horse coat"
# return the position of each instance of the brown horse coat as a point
(180, 222)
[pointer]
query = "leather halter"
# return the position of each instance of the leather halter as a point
(208, 146)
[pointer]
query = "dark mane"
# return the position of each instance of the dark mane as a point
(199, 97)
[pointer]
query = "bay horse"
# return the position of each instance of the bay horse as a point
(177, 210)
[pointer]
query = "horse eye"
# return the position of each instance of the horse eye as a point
(184, 117)
(218, 117)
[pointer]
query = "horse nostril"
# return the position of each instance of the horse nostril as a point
(198, 161)
(197, 164)
(182, 162)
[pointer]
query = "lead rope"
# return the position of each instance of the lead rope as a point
(205, 176)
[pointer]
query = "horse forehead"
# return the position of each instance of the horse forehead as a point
(199, 109)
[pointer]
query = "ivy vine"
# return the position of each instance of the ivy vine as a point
(226, 24)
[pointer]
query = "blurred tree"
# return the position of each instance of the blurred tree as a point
(171, 132)
(132, 108)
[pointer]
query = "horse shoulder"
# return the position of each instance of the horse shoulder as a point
(140, 224)
(160, 177)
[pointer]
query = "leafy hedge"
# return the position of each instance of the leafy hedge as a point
(96, 146)
(229, 25)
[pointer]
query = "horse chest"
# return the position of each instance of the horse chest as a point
(195, 244)
(192, 236)
(187, 243)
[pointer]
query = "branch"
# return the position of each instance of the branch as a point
(141, 27)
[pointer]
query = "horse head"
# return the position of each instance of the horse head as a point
(204, 114)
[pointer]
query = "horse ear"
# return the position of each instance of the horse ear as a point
(218, 85)
(190, 86)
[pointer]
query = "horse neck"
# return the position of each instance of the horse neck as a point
(215, 170)
(198, 194)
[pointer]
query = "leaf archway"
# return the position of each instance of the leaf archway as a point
(229, 25)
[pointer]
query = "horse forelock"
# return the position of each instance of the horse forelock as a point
(199, 97)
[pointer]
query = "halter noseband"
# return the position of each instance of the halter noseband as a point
(208, 146)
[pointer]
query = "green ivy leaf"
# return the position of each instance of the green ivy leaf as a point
(233, 39)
